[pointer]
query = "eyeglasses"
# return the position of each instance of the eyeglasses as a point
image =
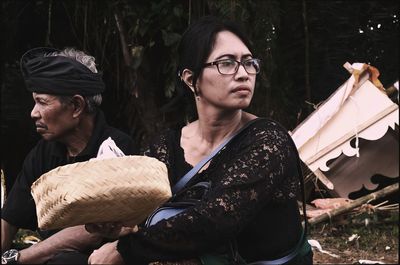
(230, 66)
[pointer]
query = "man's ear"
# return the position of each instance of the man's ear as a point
(79, 104)
(187, 77)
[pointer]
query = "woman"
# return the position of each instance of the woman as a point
(249, 212)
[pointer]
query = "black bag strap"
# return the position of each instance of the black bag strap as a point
(188, 176)
(303, 195)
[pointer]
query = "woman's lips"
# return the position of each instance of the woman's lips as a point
(241, 89)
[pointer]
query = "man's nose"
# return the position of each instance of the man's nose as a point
(35, 113)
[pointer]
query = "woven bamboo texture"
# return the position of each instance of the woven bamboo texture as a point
(124, 189)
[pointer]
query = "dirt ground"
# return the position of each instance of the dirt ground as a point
(364, 239)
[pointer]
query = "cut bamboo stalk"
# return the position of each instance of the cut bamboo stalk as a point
(321, 176)
(345, 208)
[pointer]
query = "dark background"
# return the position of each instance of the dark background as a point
(302, 43)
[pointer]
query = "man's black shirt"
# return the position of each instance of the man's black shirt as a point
(19, 208)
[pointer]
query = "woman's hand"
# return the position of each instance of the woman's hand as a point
(107, 254)
(109, 230)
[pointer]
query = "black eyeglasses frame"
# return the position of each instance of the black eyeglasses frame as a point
(217, 62)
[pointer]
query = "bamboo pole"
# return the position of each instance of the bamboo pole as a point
(365, 199)
(126, 53)
(48, 33)
(122, 36)
(306, 52)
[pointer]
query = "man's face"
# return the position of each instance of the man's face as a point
(53, 119)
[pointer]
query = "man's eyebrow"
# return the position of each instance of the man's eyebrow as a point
(41, 98)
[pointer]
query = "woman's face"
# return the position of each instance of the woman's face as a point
(233, 91)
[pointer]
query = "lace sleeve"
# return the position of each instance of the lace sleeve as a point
(255, 169)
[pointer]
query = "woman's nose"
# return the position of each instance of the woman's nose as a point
(241, 72)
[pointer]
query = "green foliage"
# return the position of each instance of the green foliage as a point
(302, 44)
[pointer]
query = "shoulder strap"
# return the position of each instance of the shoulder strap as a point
(303, 195)
(188, 176)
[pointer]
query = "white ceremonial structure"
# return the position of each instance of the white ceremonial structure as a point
(353, 135)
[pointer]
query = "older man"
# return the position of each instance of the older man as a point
(66, 88)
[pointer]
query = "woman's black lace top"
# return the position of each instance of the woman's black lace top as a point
(252, 199)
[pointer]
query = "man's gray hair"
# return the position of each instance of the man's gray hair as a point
(80, 56)
(93, 101)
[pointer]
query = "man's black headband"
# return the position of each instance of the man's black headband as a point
(58, 75)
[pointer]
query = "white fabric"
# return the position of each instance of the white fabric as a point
(108, 149)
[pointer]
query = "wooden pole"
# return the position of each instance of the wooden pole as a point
(345, 208)
(126, 53)
(124, 45)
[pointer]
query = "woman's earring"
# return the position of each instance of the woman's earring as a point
(197, 98)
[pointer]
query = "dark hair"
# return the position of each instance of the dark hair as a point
(198, 41)
(194, 48)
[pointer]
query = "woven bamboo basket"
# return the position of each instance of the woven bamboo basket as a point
(124, 189)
